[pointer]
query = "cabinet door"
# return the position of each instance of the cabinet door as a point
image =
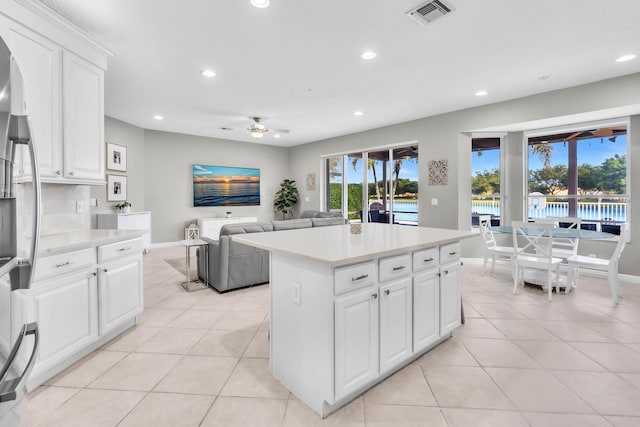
(83, 119)
(39, 62)
(120, 287)
(67, 314)
(449, 297)
(395, 323)
(356, 335)
(426, 309)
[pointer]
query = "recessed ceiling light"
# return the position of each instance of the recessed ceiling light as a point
(260, 3)
(625, 58)
(209, 73)
(158, 117)
(482, 93)
(545, 77)
(368, 55)
(276, 135)
(358, 113)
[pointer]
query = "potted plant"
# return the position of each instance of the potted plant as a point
(286, 197)
(124, 207)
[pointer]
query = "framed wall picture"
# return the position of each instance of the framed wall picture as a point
(116, 157)
(116, 188)
(438, 172)
(311, 181)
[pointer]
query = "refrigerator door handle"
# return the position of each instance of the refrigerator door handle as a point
(8, 388)
(19, 131)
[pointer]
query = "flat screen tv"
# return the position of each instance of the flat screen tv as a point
(225, 186)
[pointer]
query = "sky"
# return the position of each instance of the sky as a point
(590, 151)
(203, 173)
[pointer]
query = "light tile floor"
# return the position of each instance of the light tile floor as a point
(201, 359)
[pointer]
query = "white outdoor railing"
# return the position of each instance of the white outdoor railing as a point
(590, 211)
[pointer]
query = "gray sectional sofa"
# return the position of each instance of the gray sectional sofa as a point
(233, 265)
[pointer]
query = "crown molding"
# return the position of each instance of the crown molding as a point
(59, 21)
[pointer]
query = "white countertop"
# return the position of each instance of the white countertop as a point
(335, 245)
(82, 239)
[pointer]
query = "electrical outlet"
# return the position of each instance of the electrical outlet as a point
(79, 207)
(434, 202)
(295, 292)
(93, 202)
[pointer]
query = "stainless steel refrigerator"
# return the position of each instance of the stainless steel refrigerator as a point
(19, 234)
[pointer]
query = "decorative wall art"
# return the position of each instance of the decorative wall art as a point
(311, 181)
(116, 157)
(225, 186)
(116, 188)
(438, 172)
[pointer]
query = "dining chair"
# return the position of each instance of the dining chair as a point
(501, 253)
(610, 266)
(564, 247)
(532, 243)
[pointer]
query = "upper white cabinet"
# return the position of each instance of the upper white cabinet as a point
(83, 118)
(63, 76)
(39, 61)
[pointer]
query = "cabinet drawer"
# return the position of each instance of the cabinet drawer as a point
(119, 250)
(425, 259)
(449, 253)
(396, 266)
(354, 277)
(63, 263)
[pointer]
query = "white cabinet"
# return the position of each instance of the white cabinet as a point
(120, 293)
(67, 314)
(39, 61)
(83, 118)
(426, 309)
(395, 323)
(356, 341)
(64, 98)
(128, 221)
(450, 311)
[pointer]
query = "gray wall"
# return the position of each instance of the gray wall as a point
(168, 178)
(132, 137)
(439, 137)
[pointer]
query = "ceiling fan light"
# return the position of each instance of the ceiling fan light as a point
(256, 133)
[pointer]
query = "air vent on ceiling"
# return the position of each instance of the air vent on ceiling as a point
(430, 11)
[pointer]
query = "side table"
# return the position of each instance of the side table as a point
(188, 244)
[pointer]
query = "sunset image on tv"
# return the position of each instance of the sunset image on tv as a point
(225, 186)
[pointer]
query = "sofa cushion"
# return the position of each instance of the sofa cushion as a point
(309, 214)
(329, 215)
(322, 222)
(291, 224)
(245, 227)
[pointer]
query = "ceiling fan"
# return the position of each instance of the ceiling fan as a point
(257, 129)
(602, 132)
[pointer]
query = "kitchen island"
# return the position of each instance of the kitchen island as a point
(348, 310)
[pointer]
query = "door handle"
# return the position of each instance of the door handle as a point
(8, 388)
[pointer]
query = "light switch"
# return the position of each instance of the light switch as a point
(79, 207)
(306, 199)
(434, 202)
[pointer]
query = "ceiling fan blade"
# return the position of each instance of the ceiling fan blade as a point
(602, 132)
(279, 130)
(573, 135)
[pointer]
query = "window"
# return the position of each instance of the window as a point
(388, 185)
(580, 173)
(485, 179)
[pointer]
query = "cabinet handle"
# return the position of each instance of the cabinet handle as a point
(402, 267)
(452, 253)
(72, 173)
(94, 274)
(355, 279)
(58, 172)
(446, 272)
(438, 274)
(428, 260)
(374, 296)
(124, 249)
(386, 292)
(64, 264)
(104, 270)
